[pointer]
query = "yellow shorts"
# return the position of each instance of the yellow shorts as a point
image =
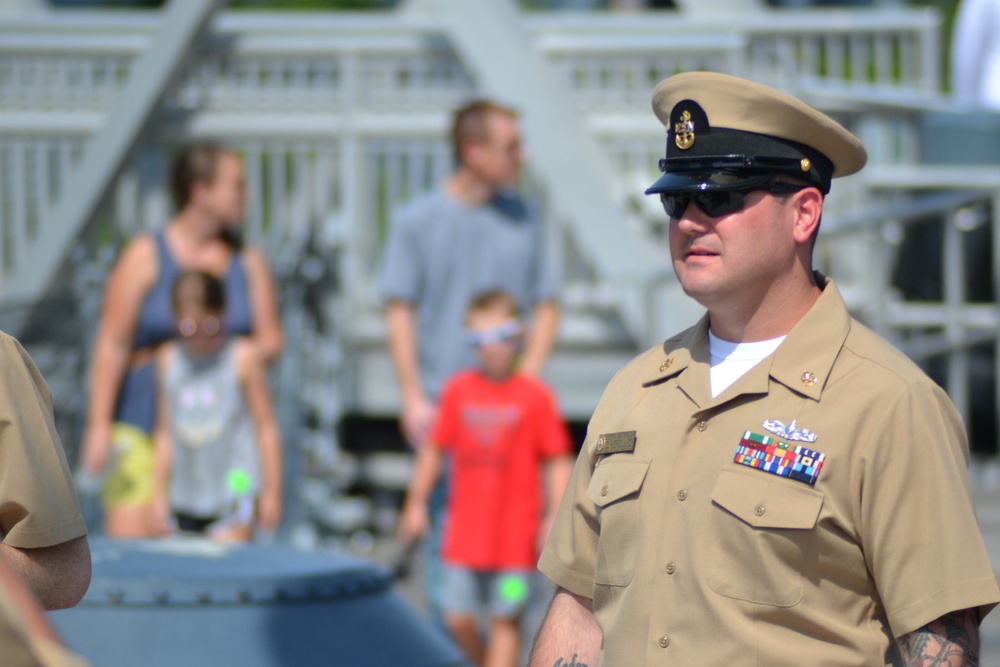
(131, 481)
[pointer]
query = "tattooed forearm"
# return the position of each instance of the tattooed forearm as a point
(570, 629)
(950, 641)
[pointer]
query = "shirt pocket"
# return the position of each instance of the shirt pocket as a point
(615, 489)
(763, 530)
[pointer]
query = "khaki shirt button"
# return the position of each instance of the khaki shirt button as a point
(759, 510)
(682, 495)
(600, 444)
(702, 425)
(604, 490)
(664, 642)
(670, 568)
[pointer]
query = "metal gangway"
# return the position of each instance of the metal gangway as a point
(341, 117)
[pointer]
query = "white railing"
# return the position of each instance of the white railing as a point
(341, 117)
(301, 62)
(351, 108)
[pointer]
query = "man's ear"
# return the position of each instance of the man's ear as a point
(470, 152)
(808, 204)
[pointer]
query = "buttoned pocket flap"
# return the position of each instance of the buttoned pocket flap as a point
(615, 478)
(763, 500)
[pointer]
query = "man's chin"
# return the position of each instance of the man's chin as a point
(698, 290)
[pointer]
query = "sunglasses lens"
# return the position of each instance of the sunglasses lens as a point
(476, 339)
(187, 327)
(209, 327)
(504, 333)
(714, 204)
(675, 203)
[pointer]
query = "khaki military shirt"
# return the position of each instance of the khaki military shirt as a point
(19, 648)
(693, 558)
(38, 503)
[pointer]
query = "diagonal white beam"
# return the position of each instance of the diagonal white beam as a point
(181, 21)
(492, 41)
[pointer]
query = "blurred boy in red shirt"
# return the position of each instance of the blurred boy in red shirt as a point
(506, 441)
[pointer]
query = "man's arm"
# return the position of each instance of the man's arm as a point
(418, 410)
(26, 605)
(129, 281)
(253, 377)
(950, 641)
(570, 635)
(162, 452)
(267, 334)
(58, 575)
(414, 521)
(25, 628)
(541, 337)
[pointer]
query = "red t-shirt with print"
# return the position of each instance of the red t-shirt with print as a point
(496, 433)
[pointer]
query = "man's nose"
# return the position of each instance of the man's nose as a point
(693, 220)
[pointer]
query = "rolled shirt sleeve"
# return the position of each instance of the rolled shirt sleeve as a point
(916, 516)
(38, 502)
(400, 278)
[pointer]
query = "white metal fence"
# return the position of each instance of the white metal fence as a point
(341, 116)
(356, 104)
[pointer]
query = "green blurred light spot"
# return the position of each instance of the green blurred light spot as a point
(513, 588)
(239, 482)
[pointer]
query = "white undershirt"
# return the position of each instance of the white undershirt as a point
(730, 361)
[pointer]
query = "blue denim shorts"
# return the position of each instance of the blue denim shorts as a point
(501, 593)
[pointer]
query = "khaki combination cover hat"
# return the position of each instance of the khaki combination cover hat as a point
(724, 132)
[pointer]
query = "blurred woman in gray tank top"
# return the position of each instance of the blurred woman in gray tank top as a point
(207, 181)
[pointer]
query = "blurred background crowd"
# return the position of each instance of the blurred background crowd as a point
(338, 114)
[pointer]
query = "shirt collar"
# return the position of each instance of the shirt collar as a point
(689, 348)
(802, 362)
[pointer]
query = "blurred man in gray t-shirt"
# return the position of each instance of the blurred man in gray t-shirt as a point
(471, 235)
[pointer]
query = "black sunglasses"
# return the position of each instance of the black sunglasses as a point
(715, 203)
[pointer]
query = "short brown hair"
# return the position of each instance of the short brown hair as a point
(196, 162)
(199, 289)
(469, 123)
(491, 299)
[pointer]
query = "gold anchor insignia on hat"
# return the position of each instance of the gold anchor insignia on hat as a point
(684, 131)
(666, 364)
(809, 379)
(805, 164)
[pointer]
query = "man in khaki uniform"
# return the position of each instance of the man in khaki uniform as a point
(26, 638)
(776, 485)
(44, 538)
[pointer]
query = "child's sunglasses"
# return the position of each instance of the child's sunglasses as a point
(715, 203)
(209, 327)
(504, 333)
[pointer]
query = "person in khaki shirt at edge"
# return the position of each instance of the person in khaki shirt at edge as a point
(43, 536)
(776, 485)
(26, 637)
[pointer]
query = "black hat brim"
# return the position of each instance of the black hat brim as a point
(678, 181)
